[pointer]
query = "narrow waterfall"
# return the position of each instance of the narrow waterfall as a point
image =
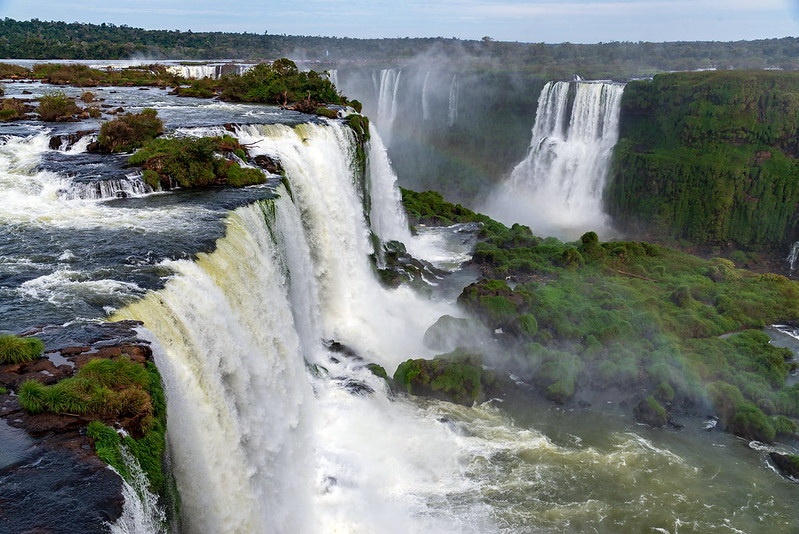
(452, 107)
(271, 429)
(557, 189)
(793, 255)
(387, 216)
(387, 87)
(425, 101)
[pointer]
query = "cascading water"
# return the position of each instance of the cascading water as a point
(557, 189)
(425, 97)
(793, 255)
(387, 87)
(236, 331)
(452, 106)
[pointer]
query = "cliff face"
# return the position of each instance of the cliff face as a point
(709, 157)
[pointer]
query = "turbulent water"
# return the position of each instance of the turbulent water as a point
(557, 190)
(249, 297)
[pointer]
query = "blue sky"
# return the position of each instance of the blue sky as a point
(551, 21)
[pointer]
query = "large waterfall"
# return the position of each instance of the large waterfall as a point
(558, 188)
(273, 431)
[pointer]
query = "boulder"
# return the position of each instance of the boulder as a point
(455, 377)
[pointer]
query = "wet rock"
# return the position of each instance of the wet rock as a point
(59, 491)
(270, 165)
(650, 412)
(787, 464)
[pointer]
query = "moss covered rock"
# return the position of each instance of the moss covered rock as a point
(454, 377)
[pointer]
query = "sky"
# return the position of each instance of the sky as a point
(550, 21)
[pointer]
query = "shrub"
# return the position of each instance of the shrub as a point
(102, 388)
(12, 109)
(193, 162)
(130, 131)
(750, 422)
(56, 106)
(14, 349)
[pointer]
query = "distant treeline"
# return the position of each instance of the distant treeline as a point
(36, 39)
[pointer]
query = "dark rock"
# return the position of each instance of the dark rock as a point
(787, 464)
(58, 491)
(650, 412)
(355, 387)
(270, 165)
(344, 350)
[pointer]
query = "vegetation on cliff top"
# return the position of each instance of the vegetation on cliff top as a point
(635, 317)
(195, 162)
(280, 82)
(111, 392)
(709, 157)
(130, 131)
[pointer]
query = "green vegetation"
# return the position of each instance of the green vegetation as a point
(148, 449)
(280, 82)
(56, 106)
(194, 162)
(710, 157)
(632, 316)
(130, 131)
(39, 39)
(15, 349)
(102, 388)
(455, 377)
(117, 391)
(84, 76)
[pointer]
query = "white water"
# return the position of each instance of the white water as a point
(452, 106)
(387, 215)
(387, 87)
(141, 513)
(558, 188)
(260, 443)
(209, 70)
(793, 255)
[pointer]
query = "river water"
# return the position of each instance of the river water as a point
(272, 430)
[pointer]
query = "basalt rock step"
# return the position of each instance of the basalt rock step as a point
(59, 484)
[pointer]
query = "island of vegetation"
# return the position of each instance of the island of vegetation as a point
(669, 334)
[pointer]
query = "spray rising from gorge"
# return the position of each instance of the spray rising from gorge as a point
(558, 188)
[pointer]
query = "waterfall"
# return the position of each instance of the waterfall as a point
(271, 430)
(387, 88)
(387, 215)
(130, 186)
(425, 102)
(793, 255)
(142, 513)
(213, 71)
(557, 189)
(452, 108)
(332, 75)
